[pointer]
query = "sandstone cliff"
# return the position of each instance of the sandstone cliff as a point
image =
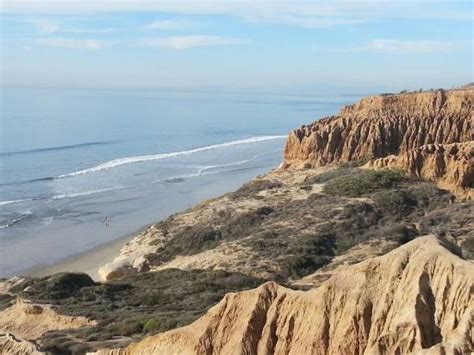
(450, 165)
(381, 126)
(11, 345)
(417, 298)
(29, 321)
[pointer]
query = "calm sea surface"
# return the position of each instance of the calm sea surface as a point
(79, 168)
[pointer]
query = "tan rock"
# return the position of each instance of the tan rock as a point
(10, 345)
(388, 126)
(29, 321)
(379, 126)
(416, 299)
(450, 165)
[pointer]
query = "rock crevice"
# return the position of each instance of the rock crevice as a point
(395, 125)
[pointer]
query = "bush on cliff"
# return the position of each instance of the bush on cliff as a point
(132, 306)
(364, 182)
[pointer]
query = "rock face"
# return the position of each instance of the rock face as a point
(10, 345)
(451, 165)
(29, 321)
(381, 126)
(417, 298)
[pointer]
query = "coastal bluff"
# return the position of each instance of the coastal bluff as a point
(411, 129)
(362, 242)
(415, 299)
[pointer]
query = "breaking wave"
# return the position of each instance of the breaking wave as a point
(145, 158)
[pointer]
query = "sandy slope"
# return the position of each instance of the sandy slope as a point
(417, 298)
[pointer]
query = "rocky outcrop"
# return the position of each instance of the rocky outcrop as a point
(29, 321)
(386, 125)
(416, 299)
(450, 165)
(379, 126)
(10, 345)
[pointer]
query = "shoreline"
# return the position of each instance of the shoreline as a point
(88, 261)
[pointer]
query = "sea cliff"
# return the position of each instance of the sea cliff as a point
(362, 242)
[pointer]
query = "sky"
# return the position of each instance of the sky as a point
(265, 46)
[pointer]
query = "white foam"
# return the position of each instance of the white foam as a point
(145, 158)
(85, 193)
(209, 167)
(3, 203)
(203, 171)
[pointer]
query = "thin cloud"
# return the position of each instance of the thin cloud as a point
(44, 25)
(59, 42)
(89, 30)
(169, 25)
(186, 42)
(49, 26)
(302, 13)
(395, 46)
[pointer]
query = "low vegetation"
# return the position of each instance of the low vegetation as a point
(284, 238)
(131, 307)
(292, 238)
(364, 182)
(255, 186)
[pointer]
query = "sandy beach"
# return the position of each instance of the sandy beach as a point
(180, 196)
(88, 261)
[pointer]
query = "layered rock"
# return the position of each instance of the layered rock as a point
(28, 320)
(382, 126)
(450, 165)
(11, 345)
(417, 298)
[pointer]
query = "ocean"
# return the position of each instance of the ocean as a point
(80, 168)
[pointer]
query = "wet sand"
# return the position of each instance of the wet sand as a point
(89, 261)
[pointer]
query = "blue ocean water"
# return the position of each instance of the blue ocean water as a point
(70, 159)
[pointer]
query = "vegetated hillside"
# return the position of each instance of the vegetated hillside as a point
(295, 228)
(406, 124)
(417, 298)
(450, 165)
(287, 224)
(303, 228)
(121, 311)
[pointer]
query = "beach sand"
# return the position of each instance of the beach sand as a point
(89, 261)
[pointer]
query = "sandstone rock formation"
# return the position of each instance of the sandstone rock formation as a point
(450, 165)
(417, 298)
(11, 345)
(382, 126)
(28, 321)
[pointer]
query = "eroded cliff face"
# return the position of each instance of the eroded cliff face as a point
(417, 298)
(11, 345)
(381, 126)
(451, 165)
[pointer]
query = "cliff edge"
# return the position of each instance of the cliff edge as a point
(416, 299)
(392, 125)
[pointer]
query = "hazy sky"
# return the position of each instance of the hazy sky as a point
(234, 45)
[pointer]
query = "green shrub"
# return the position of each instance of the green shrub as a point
(364, 182)
(136, 305)
(468, 245)
(198, 238)
(329, 175)
(399, 233)
(255, 186)
(6, 300)
(395, 202)
(151, 325)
